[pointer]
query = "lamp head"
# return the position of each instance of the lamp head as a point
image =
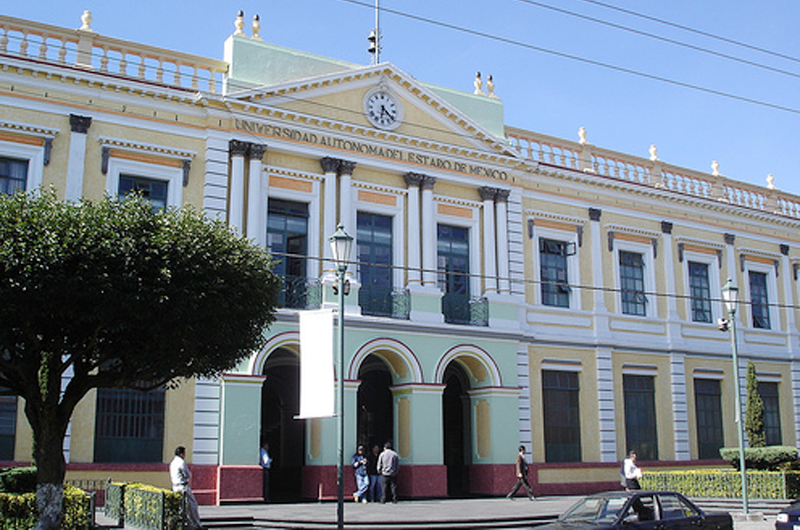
(730, 295)
(341, 244)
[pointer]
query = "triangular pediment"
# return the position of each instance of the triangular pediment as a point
(427, 116)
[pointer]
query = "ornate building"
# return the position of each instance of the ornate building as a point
(507, 287)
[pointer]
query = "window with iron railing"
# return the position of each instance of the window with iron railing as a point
(374, 237)
(768, 391)
(562, 426)
(453, 266)
(641, 434)
(129, 426)
(708, 412)
(287, 240)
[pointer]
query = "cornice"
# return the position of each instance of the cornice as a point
(29, 129)
(293, 173)
(161, 150)
(633, 230)
(700, 242)
(379, 188)
(759, 253)
(457, 202)
(566, 219)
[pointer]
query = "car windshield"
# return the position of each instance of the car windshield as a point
(595, 509)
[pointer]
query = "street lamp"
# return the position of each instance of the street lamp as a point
(341, 244)
(730, 295)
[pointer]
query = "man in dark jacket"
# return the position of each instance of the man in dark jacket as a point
(522, 475)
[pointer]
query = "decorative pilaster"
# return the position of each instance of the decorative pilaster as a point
(501, 205)
(680, 408)
(238, 151)
(347, 214)
(76, 165)
(597, 263)
(489, 246)
(330, 168)
(255, 221)
(413, 181)
(428, 232)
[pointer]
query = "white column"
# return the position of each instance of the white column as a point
(79, 126)
(330, 167)
(489, 246)
(414, 263)
(429, 232)
(501, 205)
(680, 407)
(347, 214)
(669, 265)
(256, 222)
(598, 249)
(238, 151)
(788, 289)
(605, 403)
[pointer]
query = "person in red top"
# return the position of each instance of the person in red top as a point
(522, 476)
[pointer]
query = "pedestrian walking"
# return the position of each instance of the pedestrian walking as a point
(388, 466)
(521, 466)
(631, 472)
(180, 476)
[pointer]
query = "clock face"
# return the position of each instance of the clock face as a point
(382, 110)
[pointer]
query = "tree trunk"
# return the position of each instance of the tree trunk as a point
(49, 500)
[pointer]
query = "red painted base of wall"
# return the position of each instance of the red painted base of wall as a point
(319, 482)
(493, 479)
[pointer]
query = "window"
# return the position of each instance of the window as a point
(8, 425)
(453, 265)
(759, 302)
(772, 412)
(640, 416)
(287, 238)
(631, 276)
(708, 412)
(374, 239)
(700, 292)
(13, 175)
(562, 429)
(129, 426)
(152, 190)
(553, 271)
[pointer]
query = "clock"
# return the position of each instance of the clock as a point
(382, 110)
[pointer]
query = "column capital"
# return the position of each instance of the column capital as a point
(346, 167)
(79, 124)
(413, 180)
(487, 193)
(502, 195)
(595, 213)
(427, 182)
(238, 147)
(666, 227)
(256, 151)
(329, 164)
(730, 239)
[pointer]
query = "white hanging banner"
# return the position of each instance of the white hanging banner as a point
(316, 364)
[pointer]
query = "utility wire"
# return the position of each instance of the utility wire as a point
(660, 38)
(577, 58)
(694, 30)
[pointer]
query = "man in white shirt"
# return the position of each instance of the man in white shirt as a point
(631, 472)
(179, 474)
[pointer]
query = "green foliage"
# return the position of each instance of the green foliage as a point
(18, 511)
(770, 457)
(725, 483)
(153, 508)
(18, 480)
(754, 411)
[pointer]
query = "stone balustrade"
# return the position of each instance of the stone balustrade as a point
(582, 156)
(86, 49)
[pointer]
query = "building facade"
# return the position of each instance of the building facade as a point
(506, 287)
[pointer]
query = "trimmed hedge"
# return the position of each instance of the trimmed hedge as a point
(153, 508)
(725, 483)
(769, 457)
(18, 480)
(18, 510)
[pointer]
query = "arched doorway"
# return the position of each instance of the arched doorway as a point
(280, 403)
(456, 428)
(375, 403)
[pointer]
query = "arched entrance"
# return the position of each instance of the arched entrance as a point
(456, 429)
(375, 403)
(280, 403)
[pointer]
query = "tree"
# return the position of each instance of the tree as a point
(754, 411)
(112, 294)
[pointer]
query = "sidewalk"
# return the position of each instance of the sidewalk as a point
(418, 514)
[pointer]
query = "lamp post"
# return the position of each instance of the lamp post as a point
(341, 244)
(730, 294)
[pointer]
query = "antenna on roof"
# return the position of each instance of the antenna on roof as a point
(375, 36)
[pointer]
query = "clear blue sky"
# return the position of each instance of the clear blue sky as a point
(541, 92)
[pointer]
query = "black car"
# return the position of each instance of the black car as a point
(789, 518)
(657, 510)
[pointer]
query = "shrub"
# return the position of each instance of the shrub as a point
(143, 507)
(18, 480)
(725, 483)
(18, 510)
(770, 457)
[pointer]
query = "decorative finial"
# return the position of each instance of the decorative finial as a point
(86, 20)
(653, 153)
(239, 25)
(770, 182)
(715, 168)
(478, 85)
(582, 135)
(490, 88)
(256, 28)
